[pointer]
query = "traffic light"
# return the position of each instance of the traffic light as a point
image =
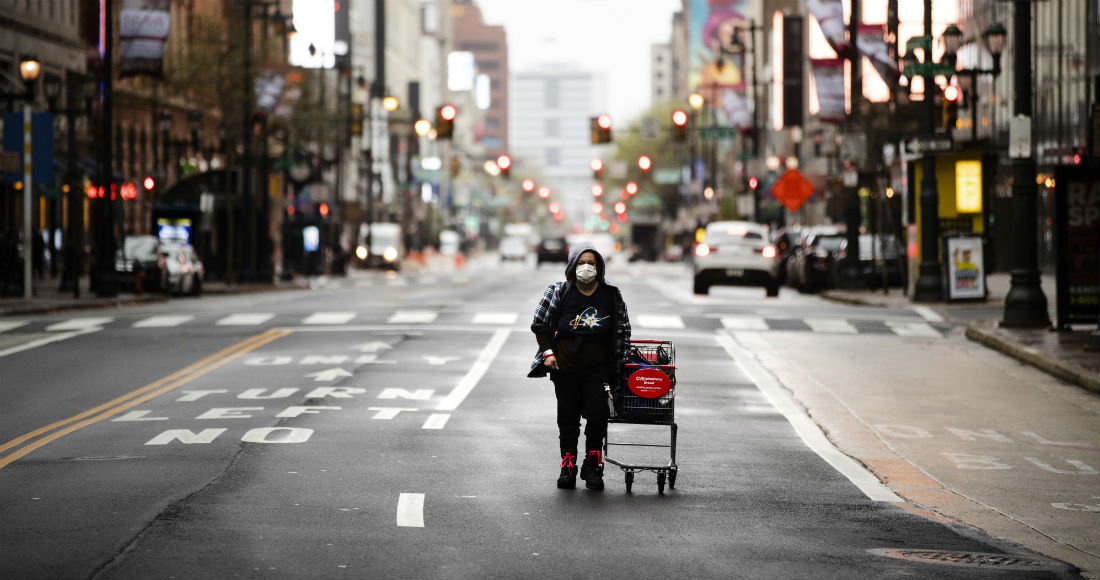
(528, 185)
(445, 121)
(504, 162)
(601, 129)
(950, 106)
(679, 126)
(753, 183)
(597, 168)
(644, 162)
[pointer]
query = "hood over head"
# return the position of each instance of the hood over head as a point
(575, 254)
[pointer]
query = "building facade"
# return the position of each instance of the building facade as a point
(489, 44)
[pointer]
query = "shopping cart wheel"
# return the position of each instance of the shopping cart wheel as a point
(629, 480)
(672, 479)
(661, 483)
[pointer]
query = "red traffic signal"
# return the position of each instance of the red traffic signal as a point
(528, 185)
(951, 93)
(753, 183)
(448, 112)
(679, 126)
(631, 187)
(645, 163)
(504, 162)
(597, 190)
(597, 168)
(620, 207)
(601, 129)
(444, 121)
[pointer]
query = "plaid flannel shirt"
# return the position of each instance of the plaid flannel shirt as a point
(546, 316)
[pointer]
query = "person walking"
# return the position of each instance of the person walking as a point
(583, 332)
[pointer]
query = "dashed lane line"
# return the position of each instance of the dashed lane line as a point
(410, 510)
(163, 321)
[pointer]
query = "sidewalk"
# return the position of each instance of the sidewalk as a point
(49, 299)
(1063, 354)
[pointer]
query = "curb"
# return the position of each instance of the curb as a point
(1065, 371)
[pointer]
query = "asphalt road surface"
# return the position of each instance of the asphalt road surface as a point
(381, 426)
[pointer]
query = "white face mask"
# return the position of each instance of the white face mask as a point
(586, 273)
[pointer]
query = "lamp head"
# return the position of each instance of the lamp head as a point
(29, 68)
(952, 40)
(995, 38)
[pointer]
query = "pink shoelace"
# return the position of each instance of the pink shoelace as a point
(567, 461)
(599, 458)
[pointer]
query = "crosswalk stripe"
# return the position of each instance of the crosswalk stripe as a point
(10, 325)
(329, 318)
(660, 321)
(163, 321)
(744, 323)
(79, 324)
(246, 319)
(830, 325)
(495, 318)
(912, 329)
(413, 317)
(410, 510)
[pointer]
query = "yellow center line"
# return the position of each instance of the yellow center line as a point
(136, 397)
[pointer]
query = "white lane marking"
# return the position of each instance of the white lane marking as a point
(163, 321)
(481, 365)
(79, 324)
(660, 321)
(830, 325)
(927, 313)
(246, 319)
(912, 329)
(413, 317)
(810, 433)
(436, 421)
(505, 318)
(410, 510)
(744, 323)
(11, 324)
(43, 341)
(329, 318)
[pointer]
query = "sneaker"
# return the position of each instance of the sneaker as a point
(568, 477)
(592, 470)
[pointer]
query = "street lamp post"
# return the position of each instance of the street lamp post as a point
(29, 69)
(1025, 303)
(929, 286)
(76, 88)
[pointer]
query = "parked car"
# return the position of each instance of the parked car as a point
(880, 257)
(185, 270)
(140, 264)
(812, 267)
(735, 253)
(513, 248)
(552, 249)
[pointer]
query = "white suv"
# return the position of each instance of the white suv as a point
(736, 254)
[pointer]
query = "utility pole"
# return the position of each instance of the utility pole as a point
(853, 215)
(247, 188)
(106, 283)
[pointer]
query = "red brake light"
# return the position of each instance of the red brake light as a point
(768, 251)
(702, 250)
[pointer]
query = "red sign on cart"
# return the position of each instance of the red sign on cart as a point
(648, 383)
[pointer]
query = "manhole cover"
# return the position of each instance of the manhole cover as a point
(970, 559)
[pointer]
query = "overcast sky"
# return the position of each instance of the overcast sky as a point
(609, 36)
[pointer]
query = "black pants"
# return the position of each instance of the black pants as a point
(580, 393)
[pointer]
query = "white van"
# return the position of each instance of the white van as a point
(386, 246)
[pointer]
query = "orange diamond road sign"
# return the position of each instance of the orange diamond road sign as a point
(792, 190)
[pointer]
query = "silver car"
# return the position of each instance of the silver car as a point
(185, 270)
(735, 253)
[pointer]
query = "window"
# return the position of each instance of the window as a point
(553, 157)
(551, 95)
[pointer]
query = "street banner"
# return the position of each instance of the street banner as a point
(1077, 245)
(829, 84)
(872, 45)
(143, 29)
(716, 64)
(42, 162)
(965, 269)
(830, 17)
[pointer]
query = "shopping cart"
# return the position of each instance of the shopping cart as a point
(646, 396)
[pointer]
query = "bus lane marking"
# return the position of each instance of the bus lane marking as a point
(28, 442)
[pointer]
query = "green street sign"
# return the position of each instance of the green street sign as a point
(717, 133)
